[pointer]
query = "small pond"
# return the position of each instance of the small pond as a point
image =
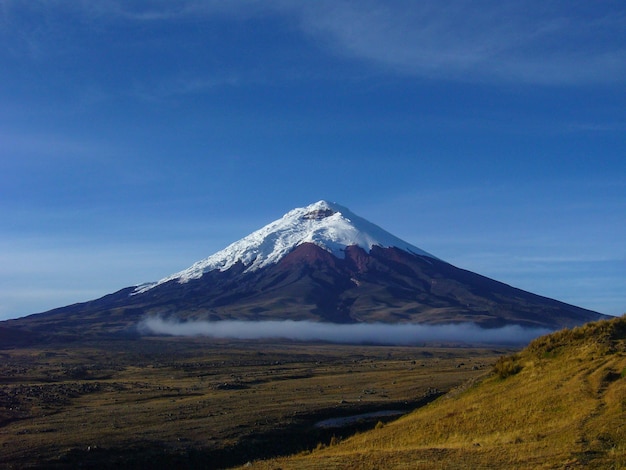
(342, 421)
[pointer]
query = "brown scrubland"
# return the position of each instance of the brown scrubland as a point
(202, 403)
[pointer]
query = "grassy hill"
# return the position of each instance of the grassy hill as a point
(559, 403)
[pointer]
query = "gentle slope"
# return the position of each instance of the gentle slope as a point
(560, 403)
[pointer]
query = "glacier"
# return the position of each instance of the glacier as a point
(326, 224)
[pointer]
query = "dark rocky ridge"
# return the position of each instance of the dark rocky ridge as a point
(386, 285)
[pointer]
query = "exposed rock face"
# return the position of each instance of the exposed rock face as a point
(318, 214)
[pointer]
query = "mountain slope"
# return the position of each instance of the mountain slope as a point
(318, 263)
(557, 404)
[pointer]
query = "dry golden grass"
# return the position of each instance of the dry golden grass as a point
(560, 403)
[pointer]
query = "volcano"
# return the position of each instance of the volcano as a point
(318, 263)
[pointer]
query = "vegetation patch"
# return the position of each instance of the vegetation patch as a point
(507, 366)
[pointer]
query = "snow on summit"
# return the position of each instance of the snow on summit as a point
(328, 225)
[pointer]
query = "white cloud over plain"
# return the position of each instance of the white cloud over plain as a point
(360, 333)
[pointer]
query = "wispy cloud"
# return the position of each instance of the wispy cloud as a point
(169, 87)
(47, 145)
(598, 127)
(487, 41)
(165, 10)
(367, 333)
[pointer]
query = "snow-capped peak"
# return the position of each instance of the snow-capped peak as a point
(323, 223)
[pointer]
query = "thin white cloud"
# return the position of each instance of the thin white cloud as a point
(360, 333)
(47, 145)
(565, 259)
(488, 41)
(166, 88)
(149, 10)
(477, 40)
(577, 127)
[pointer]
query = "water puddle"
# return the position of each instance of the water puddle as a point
(349, 420)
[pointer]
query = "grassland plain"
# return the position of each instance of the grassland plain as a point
(198, 403)
(559, 403)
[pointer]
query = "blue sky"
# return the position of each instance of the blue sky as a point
(139, 137)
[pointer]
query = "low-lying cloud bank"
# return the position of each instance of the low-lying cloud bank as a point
(359, 333)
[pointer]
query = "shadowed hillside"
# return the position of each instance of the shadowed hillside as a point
(560, 403)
